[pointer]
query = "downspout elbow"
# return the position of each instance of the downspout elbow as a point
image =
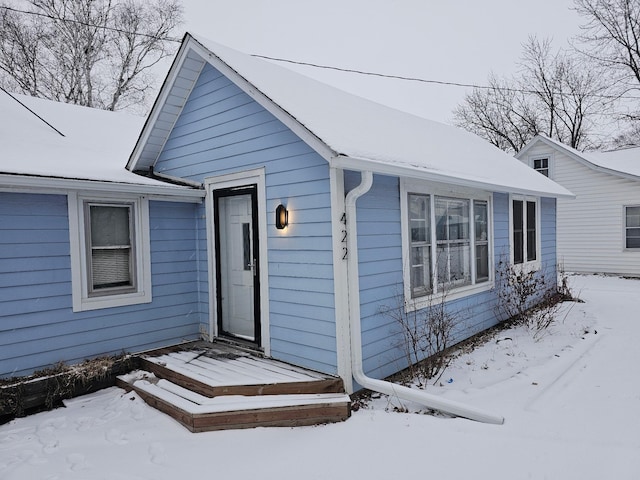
(355, 328)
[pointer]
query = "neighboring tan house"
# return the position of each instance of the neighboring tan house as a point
(258, 205)
(599, 230)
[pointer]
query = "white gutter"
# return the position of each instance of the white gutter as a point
(38, 184)
(459, 179)
(353, 287)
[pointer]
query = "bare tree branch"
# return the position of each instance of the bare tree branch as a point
(96, 53)
(555, 94)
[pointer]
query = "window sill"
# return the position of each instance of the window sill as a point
(419, 303)
(110, 301)
(527, 267)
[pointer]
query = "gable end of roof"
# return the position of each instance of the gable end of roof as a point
(180, 81)
(574, 155)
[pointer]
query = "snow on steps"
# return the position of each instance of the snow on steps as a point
(230, 372)
(200, 413)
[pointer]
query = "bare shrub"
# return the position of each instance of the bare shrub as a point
(529, 297)
(427, 334)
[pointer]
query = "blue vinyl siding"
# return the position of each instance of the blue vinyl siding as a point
(37, 325)
(222, 130)
(381, 279)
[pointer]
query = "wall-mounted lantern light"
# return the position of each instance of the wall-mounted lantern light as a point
(282, 217)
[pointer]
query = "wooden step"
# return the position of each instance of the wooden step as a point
(212, 374)
(200, 413)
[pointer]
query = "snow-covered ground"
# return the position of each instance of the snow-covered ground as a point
(571, 403)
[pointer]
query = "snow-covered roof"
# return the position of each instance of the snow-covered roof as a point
(94, 148)
(622, 162)
(349, 131)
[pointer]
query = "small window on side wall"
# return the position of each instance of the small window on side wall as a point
(524, 230)
(541, 165)
(632, 227)
(110, 248)
(110, 254)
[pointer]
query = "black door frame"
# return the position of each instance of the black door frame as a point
(252, 190)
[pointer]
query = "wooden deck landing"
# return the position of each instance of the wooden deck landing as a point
(216, 386)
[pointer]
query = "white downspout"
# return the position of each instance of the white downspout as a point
(353, 286)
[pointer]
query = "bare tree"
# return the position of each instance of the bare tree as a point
(611, 37)
(501, 114)
(612, 32)
(97, 53)
(572, 95)
(553, 94)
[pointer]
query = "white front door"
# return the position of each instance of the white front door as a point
(237, 262)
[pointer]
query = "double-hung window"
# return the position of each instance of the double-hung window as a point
(541, 165)
(448, 243)
(524, 231)
(632, 227)
(110, 261)
(111, 253)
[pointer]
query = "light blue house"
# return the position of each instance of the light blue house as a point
(264, 207)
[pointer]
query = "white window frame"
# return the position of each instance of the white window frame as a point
(83, 299)
(550, 163)
(526, 265)
(407, 187)
(625, 228)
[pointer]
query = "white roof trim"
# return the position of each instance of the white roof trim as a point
(363, 164)
(575, 155)
(158, 108)
(190, 44)
(387, 141)
(27, 183)
(285, 117)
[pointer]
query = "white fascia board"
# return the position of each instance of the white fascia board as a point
(30, 184)
(362, 164)
(521, 153)
(161, 99)
(573, 155)
(246, 86)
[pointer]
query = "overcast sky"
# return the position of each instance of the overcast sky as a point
(454, 41)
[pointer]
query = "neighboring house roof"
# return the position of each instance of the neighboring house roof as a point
(348, 131)
(624, 162)
(94, 148)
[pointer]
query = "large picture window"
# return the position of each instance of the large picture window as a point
(632, 227)
(453, 251)
(110, 258)
(449, 242)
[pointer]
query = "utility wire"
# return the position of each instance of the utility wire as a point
(321, 66)
(86, 24)
(424, 80)
(34, 113)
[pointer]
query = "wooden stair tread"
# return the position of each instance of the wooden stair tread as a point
(238, 376)
(201, 413)
(195, 403)
(243, 370)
